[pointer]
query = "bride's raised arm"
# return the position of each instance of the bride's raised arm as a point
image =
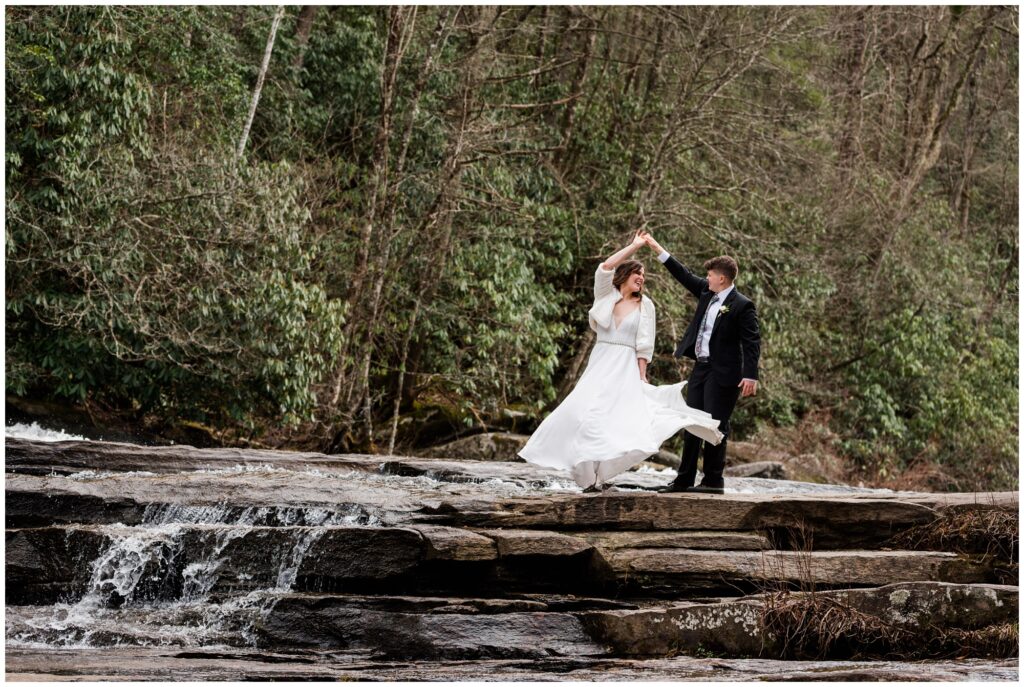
(626, 253)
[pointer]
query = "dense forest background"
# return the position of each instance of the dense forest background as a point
(409, 226)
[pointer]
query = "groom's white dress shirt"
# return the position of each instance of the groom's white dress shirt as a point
(704, 337)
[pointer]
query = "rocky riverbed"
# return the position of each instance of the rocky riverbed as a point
(138, 562)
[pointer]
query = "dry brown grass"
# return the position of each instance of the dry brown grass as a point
(981, 530)
(994, 641)
(816, 626)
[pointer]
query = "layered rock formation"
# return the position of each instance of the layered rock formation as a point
(369, 559)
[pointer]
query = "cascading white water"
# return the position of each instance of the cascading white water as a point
(143, 589)
(132, 554)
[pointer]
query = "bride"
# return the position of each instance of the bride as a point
(613, 419)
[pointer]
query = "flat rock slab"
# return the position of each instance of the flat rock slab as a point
(66, 457)
(1010, 499)
(716, 541)
(330, 622)
(49, 564)
(45, 565)
(195, 665)
(536, 543)
(455, 544)
(682, 568)
(732, 628)
(833, 521)
(936, 604)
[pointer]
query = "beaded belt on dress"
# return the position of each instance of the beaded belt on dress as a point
(617, 343)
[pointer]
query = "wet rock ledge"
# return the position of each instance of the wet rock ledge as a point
(433, 560)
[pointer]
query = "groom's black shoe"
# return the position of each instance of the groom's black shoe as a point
(705, 489)
(674, 487)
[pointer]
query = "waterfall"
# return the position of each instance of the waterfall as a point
(154, 583)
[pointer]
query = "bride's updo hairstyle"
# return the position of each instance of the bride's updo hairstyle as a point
(624, 271)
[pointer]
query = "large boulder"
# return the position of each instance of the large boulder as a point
(742, 452)
(666, 459)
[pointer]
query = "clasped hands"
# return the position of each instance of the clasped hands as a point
(644, 238)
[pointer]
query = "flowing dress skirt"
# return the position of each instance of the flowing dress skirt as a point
(613, 420)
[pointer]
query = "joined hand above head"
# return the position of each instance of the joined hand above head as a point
(651, 243)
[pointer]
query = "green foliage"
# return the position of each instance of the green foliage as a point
(162, 279)
(943, 391)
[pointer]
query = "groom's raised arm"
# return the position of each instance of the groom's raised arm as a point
(692, 282)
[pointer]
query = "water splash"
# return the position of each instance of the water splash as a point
(35, 432)
(137, 560)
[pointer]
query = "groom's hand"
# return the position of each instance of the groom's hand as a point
(654, 245)
(749, 387)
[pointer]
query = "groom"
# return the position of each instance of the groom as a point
(725, 341)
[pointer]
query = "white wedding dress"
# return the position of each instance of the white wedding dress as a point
(613, 420)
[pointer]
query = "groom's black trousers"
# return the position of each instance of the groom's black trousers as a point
(705, 393)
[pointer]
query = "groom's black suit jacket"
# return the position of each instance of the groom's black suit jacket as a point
(735, 345)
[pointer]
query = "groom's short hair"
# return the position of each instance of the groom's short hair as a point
(723, 264)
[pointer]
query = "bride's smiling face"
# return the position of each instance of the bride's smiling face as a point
(633, 283)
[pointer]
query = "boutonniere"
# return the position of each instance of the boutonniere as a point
(723, 310)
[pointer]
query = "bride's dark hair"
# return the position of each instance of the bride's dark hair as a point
(624, 271)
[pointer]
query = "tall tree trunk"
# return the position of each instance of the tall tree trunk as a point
(854, 35)
(259, 82)
(569, 115)
(303, 27)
